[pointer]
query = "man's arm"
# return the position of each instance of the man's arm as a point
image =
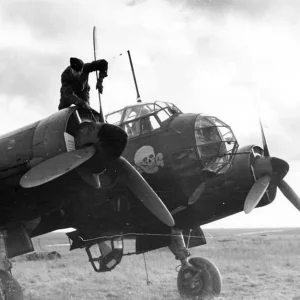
(97, 65)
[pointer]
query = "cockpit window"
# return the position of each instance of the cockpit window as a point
(139, 110)
(149, 123)
(132, 128)
(142, 125)
(163, 115)
(115, 118)
(171, 108)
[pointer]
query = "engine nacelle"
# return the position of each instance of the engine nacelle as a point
(50, 135)
(31, 144)
(243, 172)
(242, 166)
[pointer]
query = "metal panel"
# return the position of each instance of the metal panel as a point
(16, 147)
(35, 142)
(49, 138)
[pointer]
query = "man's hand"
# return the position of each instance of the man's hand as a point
(99, 85)
(81, 103)
(103, 67)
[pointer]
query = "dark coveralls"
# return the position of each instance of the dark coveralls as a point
(76, 90)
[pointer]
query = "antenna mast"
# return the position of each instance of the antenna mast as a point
(138, 97)
(97, 77)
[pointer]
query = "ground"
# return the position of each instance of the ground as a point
(254, 264)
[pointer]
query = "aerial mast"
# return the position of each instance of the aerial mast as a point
(138, 97)
(97, 76)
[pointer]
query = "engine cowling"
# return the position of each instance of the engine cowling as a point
(38, 141)
(243, 163)
(243, 170)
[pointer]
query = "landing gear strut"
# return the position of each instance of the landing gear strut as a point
(198, 278)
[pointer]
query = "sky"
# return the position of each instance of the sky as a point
(237, 60)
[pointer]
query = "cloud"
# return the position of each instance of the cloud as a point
(246, 63)
(235, 59)
(30, 76)
(16, 112)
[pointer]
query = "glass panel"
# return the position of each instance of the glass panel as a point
(162, 115)
(206, 135)
(216, 143)
(114, 118)
(216, 121)
(202, 122)
(131, 113)
(132, 129)
(138, 111)
(226, 134)
(209, 150)
(215, 155)
(154, 122)
(160, 105)
(173, 109)
(149, 123)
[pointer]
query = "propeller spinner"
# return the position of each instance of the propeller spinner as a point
(269, 171)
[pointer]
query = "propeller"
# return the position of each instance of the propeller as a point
(88, 136)
(142, 190)
(270, 171)
(289, 193)
(256, 193)
(56, 166)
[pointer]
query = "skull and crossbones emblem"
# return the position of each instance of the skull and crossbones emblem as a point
(147, 161)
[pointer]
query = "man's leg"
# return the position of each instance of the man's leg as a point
(63, 104)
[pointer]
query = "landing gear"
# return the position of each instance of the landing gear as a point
(198, 278)
(9, 287)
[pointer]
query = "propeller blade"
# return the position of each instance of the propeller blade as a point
(289, 193)
(256, 193)
(56, 166)
(142, 190)
(266, 149)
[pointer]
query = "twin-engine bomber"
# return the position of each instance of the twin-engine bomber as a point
(149, 173)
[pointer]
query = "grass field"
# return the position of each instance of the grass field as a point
(254, 265)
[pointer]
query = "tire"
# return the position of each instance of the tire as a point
(201, 280)
(9, 287)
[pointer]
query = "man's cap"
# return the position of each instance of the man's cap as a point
(76, 64)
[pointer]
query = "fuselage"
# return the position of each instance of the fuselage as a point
(174, 152)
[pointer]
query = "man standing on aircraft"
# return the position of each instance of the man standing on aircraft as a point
(74, 82)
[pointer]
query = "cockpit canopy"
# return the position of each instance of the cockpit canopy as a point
(142, 117)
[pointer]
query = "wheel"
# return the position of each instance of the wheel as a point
(9, 287)
(200, 280)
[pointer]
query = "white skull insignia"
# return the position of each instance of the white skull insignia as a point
(146, 160)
